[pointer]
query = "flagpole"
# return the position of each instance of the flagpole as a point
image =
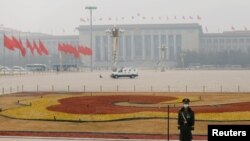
(90, 8)
(19, 55)
(27, 58)
(4, 53)
(107, 54)
(4, 56)
(60, 59)
(12, 60)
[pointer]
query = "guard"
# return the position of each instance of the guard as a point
(186, 121)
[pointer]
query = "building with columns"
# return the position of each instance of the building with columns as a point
(230, 40)
(139, 45)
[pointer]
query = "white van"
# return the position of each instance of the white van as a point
(125, 72)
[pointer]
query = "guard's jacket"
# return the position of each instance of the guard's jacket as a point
(186, 123)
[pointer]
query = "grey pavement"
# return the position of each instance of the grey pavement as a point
(148, 80)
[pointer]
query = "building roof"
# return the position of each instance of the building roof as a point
(228, 34)
(142, 26)
(35, 35)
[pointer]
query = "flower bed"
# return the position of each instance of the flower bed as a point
(104, 108)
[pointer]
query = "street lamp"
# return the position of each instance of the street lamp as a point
(162, 61)
(115, 32)
(90, 8)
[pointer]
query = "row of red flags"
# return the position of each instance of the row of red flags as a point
(76, 51)
(232, 29)
(13, 43)
(144, 18)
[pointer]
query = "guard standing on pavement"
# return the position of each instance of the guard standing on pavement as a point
(186, 121)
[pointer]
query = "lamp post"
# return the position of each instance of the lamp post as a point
(107, 52)
(162, 62)
(90, 8)
(115, 32)
(182, 59)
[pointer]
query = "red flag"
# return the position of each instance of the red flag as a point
(206, 29)
(65, 48)
(43, 48)
(73, 51)
(81, 19)
(23, 50)
(36, 47)
(69, 48)
(21, 43)
(233, 29)
(81, 49)
(59, 47)
(88, 51)
(76, 53)
(198, 17)
(28, 44)
(8, 43)
(18, 45)
(62, 47)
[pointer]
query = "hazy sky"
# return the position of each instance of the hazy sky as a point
(56, 16)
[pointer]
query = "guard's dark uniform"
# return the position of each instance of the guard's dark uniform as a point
(186, 122)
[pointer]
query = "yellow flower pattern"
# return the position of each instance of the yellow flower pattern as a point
(36, 109)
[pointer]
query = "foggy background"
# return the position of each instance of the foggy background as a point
(62, 16)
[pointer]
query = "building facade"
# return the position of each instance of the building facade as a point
(139, 45)
(233, 40)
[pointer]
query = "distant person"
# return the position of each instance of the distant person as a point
(186, 121)
(100, 76)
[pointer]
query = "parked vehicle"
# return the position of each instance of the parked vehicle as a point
(5, 69)
(36, 67)
(125, 72)
(18, 69)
